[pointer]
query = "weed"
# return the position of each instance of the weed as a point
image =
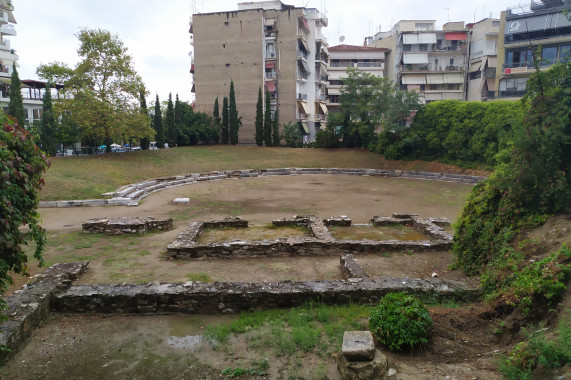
(203, 277)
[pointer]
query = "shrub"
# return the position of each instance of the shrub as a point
(400, 321)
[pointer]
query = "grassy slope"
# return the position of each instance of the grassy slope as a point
(90, 176)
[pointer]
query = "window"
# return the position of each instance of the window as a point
(451, 61)
(495, 24)
(475, 75)
(406, 47)
(564, 52)
(423, 47)
(423, 26)
(433, 87)
(549, 55)
(36, 114)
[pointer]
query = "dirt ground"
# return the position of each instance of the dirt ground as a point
(462, 345)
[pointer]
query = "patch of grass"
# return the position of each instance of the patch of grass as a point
(203, 277)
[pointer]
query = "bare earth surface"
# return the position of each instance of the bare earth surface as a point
(157, 347)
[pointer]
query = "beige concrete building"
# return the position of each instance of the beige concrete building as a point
(432, 62)
(263, 44)
(525, 28)
(482, 61)
(364, 58)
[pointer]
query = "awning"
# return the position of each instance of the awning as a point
(270, 65)
(435, 79)
(304, 24)
(484, 84)
(303, 45)
(491, 84)
(271, 86)
(427, 38)
(412, 58)
(456, 36)
(484, 61)
(305, 127)
(323, 108)
(269, 21)
(333, 91)
(303, 66)
(303, 106)
(444, 78)
(8, 81)
(413, 87)
(413, 79)
(475, 66)
(492, 62)
(410, 39)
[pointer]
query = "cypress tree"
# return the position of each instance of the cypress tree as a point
(225, 122)
(145, 141)
(179, 118)
(233, 116)
(158, 124)
(16, 105)
(276, 129)
(259, 120)
(48, 128)
(170, 123)
(217, 120)
(268, 121)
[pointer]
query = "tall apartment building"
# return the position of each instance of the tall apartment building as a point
(482, 61)
(364, 58)
(266, 45)
(432, 62)
(7, 55)
(524, 29)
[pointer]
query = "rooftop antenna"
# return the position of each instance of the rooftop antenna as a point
(341, 39)
(448, 10)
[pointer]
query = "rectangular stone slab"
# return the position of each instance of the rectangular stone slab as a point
(358, 346)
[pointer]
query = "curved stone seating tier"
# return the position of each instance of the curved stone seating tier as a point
(130, 195)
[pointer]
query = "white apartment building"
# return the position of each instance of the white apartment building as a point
(483, 59)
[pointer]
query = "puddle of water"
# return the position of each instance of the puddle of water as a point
(362, 232)
(187, 332)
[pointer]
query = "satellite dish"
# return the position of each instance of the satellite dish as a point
(341, 39)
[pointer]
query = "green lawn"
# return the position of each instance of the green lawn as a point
(90, 176)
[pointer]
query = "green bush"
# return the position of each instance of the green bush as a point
(400, 321)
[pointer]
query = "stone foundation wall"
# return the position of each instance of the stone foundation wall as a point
(320, 244)
(131, 194)
(28, 308)
(118, 226)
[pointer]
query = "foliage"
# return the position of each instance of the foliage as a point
(16, 104)
(529, 358)
(48, 128)
(225, 132)
(217, 119)
(292, 135)
(145, 141)
(102, 92)
(21, 168)
(276, 129)
(454, 131)
(259, 123)
(267, 120)
(233, 120)
(158, 123)
(169, 123)
(194, 127)
(531, 181)
(400, 321)
(368, 101)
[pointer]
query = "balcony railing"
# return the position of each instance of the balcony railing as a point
(270, 55)
(356, 64)
(302, 75)
(490, 72)
(301, 96)
(302, 54)
(301, 116)
(271, 75)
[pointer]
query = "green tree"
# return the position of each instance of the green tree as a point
(217, 119)
(158, 123)
(145, 141)
(48, 127)
(369, 101)
(16, 105)
(225, 134)
(103, 89)
(268, 120)
(276, 129)
(292, 135)
(21, 168)
(170, 123)
(259, 123)
(233, 121)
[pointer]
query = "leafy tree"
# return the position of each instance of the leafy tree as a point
(259, 123)
(369, 101)
(170, 123)
(225, 133)
(292, 135)
(145, 141)
(102, 90)
(276, 129)
(233, 121)
(48, 127)
(158, 123)
(268, 121)
(16, 105)
(21, 168)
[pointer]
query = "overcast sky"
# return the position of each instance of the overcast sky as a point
(156, 32)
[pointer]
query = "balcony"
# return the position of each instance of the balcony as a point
(301, 96)
(270, 55)
(8, 29)
(490, 72)
(302, 54)
(271, 75)
(302, 76)
(301, 116)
